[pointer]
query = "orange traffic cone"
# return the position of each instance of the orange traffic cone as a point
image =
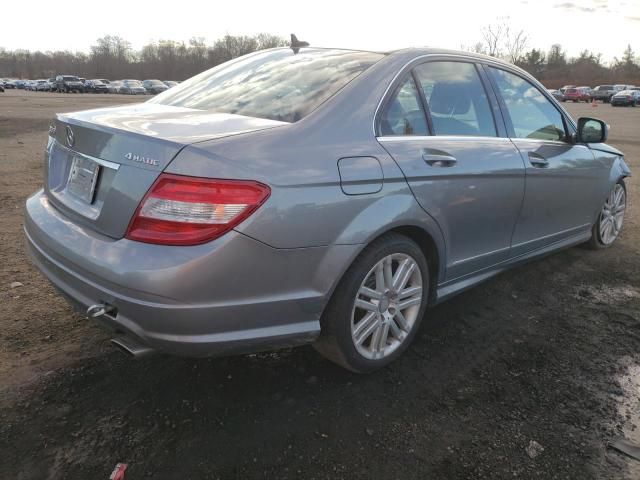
(593, 102)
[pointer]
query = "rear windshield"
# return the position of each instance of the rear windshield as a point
(571, 90)
(277, 84)
(67, 78)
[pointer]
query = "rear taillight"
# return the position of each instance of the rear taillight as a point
(180, 210)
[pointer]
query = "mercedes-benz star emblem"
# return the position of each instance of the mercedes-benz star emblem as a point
(71, 139)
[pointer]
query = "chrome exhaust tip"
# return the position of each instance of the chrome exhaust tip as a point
(131, 346)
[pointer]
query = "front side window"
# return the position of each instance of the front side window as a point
(532, 114)
(404, 115)
(277, 84)
(456, 99)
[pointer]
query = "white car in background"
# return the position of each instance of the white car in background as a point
(42, 85)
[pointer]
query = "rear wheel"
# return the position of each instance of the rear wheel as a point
(609, 225)
(377, 307)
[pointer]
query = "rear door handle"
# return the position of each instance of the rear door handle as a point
(537, 160)
(436, 158)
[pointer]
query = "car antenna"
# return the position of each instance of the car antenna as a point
(296, 44)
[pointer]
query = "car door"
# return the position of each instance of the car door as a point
(564, 181)
(440, 128)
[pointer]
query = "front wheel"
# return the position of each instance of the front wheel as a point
(377, 307)
(609, 225)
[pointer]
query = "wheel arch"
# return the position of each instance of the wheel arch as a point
(427, 244)
(426, 240)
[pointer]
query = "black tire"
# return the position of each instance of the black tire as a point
(335, 342)
(595, 242)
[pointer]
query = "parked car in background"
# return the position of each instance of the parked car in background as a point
(170, 83)
(339, 203)
(154, 87)
(557, 94)
(603, 93)
(20, 84)
(95, 86)
(567, 87)
(585, 94)
(114, 86)
(10, 84)
(621, 86)
(571, 95)
(132, 87)
(68, 84)
(626, 98)
(1, 86)
(577, 94)
(42, 85)
(52, 84)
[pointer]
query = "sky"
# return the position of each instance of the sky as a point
(603, 26)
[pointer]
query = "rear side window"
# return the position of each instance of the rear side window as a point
(277, 84)
(456, 99)
(531, 113)
(404, 115)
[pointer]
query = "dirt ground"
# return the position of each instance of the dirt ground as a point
(547, 353)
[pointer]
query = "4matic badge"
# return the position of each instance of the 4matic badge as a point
(140, 159)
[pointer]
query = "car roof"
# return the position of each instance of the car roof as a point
(412, 52)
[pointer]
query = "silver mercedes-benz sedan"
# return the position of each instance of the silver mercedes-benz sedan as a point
(314, 196)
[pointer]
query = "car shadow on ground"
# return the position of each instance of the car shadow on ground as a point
(529, 356)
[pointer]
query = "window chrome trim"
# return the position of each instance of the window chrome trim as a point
(543, 140)
(408, 138)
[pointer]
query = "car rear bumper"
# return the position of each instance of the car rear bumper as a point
(232, 295)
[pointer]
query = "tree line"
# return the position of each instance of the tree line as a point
(555, 68)
(113, 57)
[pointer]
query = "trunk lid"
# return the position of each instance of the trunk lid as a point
(100, 163)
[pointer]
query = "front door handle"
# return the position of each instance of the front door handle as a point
(437, 158)
(537, 160)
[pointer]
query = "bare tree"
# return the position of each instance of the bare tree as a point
(502, 40)
(493, 37)
(516, 43)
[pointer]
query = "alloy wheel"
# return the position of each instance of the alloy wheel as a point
(386, 306)
(612, 215)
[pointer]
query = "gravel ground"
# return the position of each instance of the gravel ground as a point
(529, 375)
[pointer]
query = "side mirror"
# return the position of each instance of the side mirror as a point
(592, 130)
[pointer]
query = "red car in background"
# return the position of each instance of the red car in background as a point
(580, 94)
